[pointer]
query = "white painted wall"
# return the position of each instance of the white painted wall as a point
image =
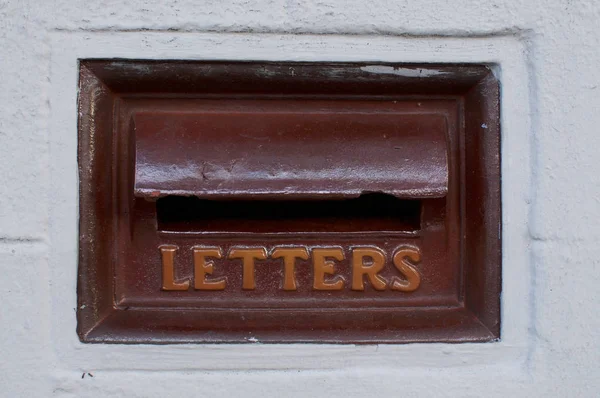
(547, 56)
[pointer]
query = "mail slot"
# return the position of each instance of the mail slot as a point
(288, 202)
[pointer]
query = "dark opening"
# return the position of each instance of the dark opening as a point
(369, 212)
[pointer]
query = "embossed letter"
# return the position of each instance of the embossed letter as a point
(203, 267)
(290, 254)
(248, 256)
(168, 272)
(359, 268)
(321, 266)
(413, 278)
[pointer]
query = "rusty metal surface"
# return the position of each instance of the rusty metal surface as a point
(241, 202)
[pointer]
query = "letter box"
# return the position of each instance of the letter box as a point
(288, 202)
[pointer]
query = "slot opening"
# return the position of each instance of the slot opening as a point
(372, 212)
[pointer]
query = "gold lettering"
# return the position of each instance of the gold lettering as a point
(367, 261)
(204, 267)
(248, 256)
(413, 278)
(322, 266)
(359, 269)
(168, 271)
(289, 255)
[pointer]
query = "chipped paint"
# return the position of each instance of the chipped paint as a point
(405, 72)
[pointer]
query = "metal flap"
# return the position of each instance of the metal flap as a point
(290, 149)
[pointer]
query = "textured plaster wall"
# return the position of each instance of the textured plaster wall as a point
(551, 275)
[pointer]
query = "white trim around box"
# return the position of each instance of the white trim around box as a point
(508, 54)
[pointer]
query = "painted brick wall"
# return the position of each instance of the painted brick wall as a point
(546, 54)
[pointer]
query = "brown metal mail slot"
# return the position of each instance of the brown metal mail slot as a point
(288, 202)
